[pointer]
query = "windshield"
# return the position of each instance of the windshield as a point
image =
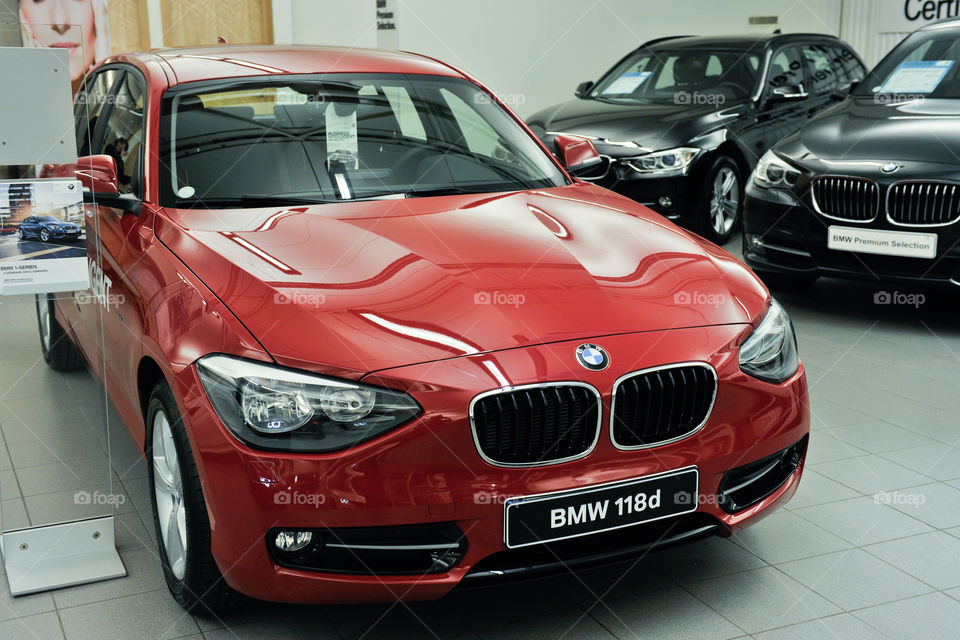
(337, 137)
(681, 76)
(924, 65)
(46, 219)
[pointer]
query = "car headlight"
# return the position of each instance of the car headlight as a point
(277, 409)
(671, 160)
(770, 353)
(772, 171)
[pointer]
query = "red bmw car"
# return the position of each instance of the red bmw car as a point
(376, 341)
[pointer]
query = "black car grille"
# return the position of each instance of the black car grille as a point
(538, 424)
(846, 198)
(923, 203)
(658, 406)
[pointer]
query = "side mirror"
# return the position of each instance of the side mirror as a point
(843, 90)
(98, 175)
(583, 89)
(580, 157)
(788, 93)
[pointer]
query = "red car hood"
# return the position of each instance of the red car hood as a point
(365, 286)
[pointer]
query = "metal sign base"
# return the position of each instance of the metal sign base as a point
(60, 555)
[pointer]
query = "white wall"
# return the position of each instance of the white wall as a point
(343, 23)
(534, 52)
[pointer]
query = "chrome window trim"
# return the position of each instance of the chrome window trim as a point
(816, 206)
(886, 204)
(537, 385)
(694, 431)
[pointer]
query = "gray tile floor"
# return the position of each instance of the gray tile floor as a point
(868, 548)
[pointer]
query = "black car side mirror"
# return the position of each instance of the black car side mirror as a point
(583, 88)
(843, 90)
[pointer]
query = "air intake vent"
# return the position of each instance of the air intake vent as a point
(536, 424)
(662, 405)
(846, 198)
(923, 203)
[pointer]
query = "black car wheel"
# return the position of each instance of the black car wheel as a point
(180, 512)
(58, 352)
(21, 235)
(721, 202)
(44, 235)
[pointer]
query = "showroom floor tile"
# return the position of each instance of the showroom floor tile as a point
(868, 548)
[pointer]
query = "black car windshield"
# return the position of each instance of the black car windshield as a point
(47, 219)
(334, 137)
(926, 64)
(681, 76)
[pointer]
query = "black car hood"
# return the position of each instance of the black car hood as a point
(653, 126)
(865, 130)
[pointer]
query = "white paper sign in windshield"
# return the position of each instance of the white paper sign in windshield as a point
(917, 76)
(627, 83)
(342, 137)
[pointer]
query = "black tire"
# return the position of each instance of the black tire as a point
(706, 223)
(59, 352)
(44, 235)
(202, 587)
(21, 236)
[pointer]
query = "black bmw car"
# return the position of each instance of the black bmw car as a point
(684, 119)
(871, 187)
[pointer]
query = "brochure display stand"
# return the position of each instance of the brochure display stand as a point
(59, 491)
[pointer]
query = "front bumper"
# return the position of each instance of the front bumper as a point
(64, 234)
(654, 192)
(783, 234)
(430, 472)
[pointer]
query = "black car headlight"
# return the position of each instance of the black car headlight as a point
(772, 171)
(770, 353)
(664, 162)
(277, 409)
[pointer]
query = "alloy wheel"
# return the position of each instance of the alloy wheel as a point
(724, 201)
(168, 487)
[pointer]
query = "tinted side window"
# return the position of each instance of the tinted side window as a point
(90, 103)
(821, 72)
(785, 69)
(844, 58)
(123, 136)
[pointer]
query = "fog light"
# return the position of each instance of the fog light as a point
(754, 243)
(293, 540)
(665, 201)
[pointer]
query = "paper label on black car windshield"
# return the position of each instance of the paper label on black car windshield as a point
(917, 76)
(627, 83)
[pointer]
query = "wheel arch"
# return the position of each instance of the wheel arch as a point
(149, 374)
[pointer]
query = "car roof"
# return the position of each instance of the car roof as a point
(235, 61)
(743, 41)
(947, 23)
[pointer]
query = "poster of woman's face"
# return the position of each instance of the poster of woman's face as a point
(79, 26)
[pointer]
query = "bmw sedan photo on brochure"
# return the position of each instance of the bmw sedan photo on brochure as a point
(684, 119)
(48, 229)
(870, 189)
(376, 341)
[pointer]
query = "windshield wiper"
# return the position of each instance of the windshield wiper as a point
(424, 192)
(281, 198)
